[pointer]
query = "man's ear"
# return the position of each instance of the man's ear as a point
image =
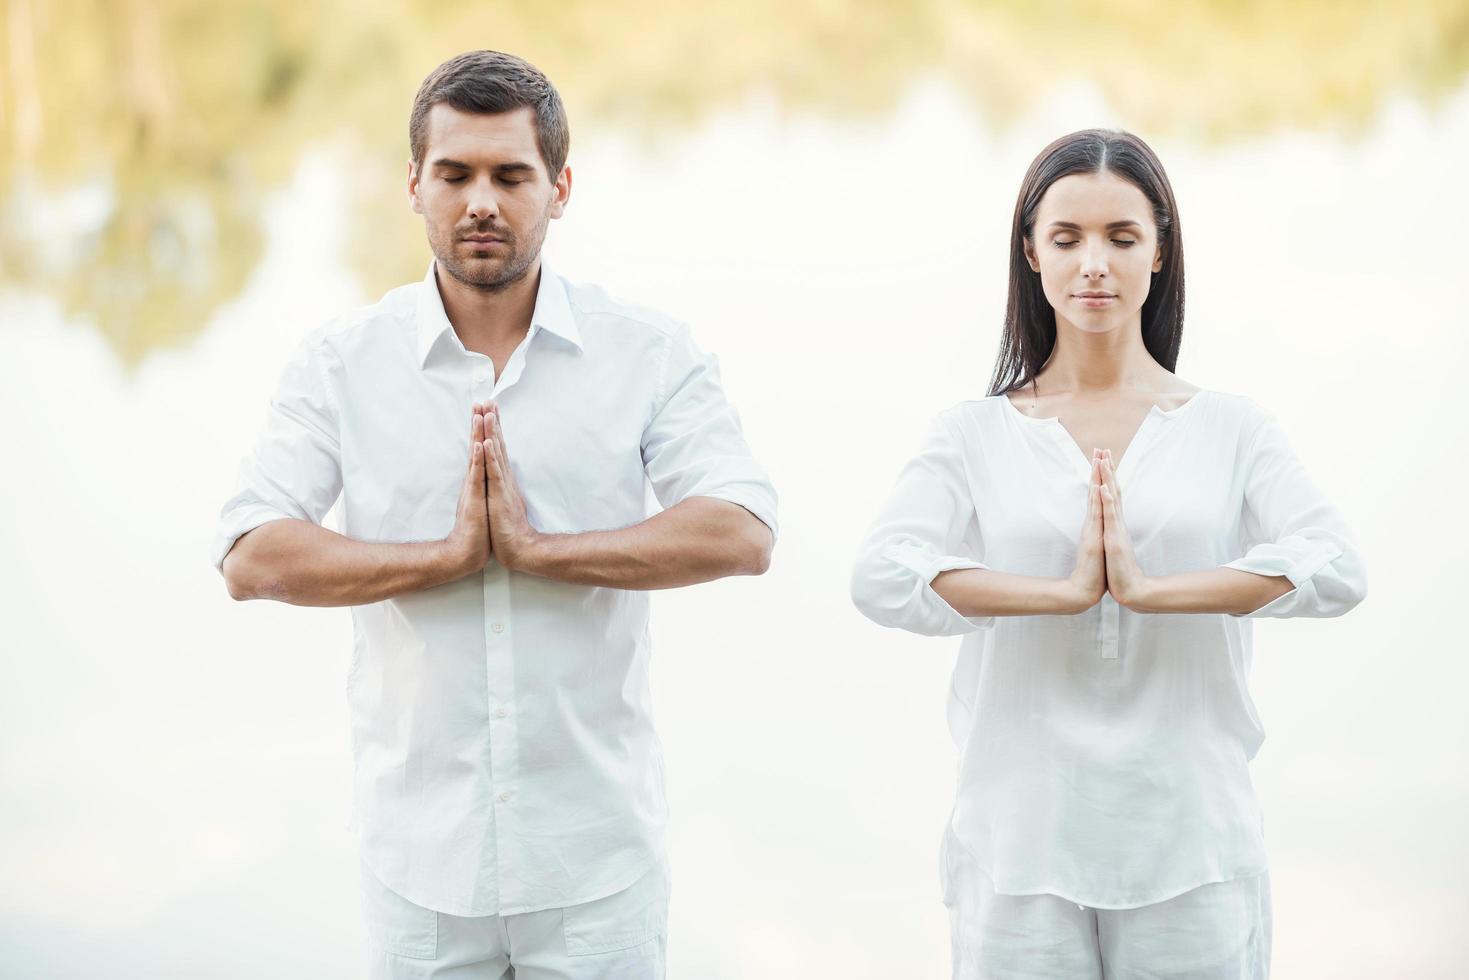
(414, 200)
(561, 192)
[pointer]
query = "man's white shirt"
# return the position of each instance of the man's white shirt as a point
(505, 757)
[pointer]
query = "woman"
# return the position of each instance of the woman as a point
(1105, 823)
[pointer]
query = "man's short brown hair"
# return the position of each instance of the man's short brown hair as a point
(492, 82)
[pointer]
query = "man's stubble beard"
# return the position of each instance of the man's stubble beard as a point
(515, 268)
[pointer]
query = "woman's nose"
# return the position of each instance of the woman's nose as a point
(1093, 262)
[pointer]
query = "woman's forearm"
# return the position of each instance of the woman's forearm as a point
(985, 592)
(1217, 590)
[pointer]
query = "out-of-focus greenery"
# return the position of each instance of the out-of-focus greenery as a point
(185, 112)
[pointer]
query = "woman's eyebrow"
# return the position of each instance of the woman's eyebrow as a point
(1125, 223)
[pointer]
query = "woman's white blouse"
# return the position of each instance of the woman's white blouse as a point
(1104, 755)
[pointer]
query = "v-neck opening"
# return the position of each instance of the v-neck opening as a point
(1054, 424)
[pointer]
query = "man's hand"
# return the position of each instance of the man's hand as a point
(511, 536)
(468, 545)
(1125, 580)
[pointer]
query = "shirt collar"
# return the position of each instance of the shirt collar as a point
(553, 307)
(552, 311)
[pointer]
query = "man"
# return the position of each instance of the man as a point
(492, 432)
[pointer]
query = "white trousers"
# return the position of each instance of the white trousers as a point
(621, 937)
(1215, 932)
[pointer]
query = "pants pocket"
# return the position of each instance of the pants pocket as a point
(622, 920)
(396, 924)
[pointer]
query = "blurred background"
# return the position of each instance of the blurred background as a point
(823, 188)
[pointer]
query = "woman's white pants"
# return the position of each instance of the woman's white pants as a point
(1219, 931)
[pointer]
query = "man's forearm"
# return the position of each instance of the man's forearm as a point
(304, 564)
(1216, 590)
(697, 540)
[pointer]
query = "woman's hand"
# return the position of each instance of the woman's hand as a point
(1125, 580)
(1089, 579)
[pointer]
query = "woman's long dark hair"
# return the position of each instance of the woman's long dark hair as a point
(1030, 322)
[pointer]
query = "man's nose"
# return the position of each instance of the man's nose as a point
(482, 203)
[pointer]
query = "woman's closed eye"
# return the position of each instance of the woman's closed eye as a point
(1121, 242)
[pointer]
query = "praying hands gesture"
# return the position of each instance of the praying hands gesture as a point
(695, 540)
(491, 517)
(1105, 562)
(511, 536)
(468, 544)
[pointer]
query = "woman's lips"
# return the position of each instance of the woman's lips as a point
(1096, 302)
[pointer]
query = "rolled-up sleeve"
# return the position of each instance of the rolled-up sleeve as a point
(693, 445)
(1292, 529)
(928, 526)
(294, 470)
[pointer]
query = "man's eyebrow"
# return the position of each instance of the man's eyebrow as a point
(516, 166)
(1125, 223)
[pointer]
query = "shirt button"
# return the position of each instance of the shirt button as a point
(501, 711)
(481, 376)
(505, 797)
(498, 627)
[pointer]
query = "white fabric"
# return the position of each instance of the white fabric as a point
(1220, 931)
(623, 936)
(505, 757)
(1104, 755)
